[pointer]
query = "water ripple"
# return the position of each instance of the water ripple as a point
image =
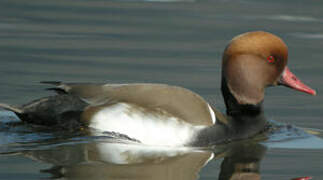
(288, 136)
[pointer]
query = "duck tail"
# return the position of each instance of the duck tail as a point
(14, 109)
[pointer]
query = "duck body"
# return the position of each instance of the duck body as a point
(135, 110)
(148, 122)
(160, 114)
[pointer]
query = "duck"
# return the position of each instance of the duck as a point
(168, 115)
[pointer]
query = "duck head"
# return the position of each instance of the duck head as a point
(252, 62)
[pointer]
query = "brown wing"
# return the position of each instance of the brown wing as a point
(177, 101)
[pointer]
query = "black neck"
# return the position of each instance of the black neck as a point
(236, 110)
(243, 121)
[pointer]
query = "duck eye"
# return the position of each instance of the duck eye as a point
(271, 59)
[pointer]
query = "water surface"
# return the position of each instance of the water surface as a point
(174, 42)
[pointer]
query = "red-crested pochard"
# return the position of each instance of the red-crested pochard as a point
(160, 114)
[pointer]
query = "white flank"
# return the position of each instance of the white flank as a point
(149, 127)
(212, 114)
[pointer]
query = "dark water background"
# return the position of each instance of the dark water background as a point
(173, 42)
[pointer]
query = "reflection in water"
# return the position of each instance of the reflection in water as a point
(128, 161)
(242, 162)
(106, 160)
